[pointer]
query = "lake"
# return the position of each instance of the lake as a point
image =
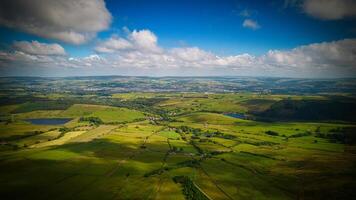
(49, 121)
(236, 115)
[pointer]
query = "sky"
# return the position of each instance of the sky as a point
(283, 38)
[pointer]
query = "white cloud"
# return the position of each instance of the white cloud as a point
(17, 57)
(330, 9)
(113, 44)
(249, 23)
(72, 21)
(38, 48)
(143, 40)
(191, 54)
(238, 61)
(325, 9)
(327, 59)
(308, 60)
(326, 55)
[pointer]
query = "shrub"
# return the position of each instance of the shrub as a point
(273, 133)
(91, 120)
(190, 190)
(300, 135)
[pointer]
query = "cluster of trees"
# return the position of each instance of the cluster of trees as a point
(177, 149)
(307, 133)
(92, 120)
(273, 133)
(199, 132)
(332, 137)
(189, 163)
(260, 143)
(344, 135)
(187, 129)
(63, 131)
(190, 190)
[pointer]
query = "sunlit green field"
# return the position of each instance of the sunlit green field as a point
(136, 154)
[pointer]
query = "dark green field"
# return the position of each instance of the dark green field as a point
(176, 145)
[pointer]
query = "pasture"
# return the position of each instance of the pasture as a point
(132, 155)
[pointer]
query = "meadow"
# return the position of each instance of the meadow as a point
(176, 146)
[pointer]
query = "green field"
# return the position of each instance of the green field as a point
(138, 152)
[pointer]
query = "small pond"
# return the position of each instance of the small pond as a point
(236, 115)
(48, 121)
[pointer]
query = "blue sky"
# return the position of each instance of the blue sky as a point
(214, 27)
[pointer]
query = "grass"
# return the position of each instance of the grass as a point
(93, 134)
(209, 118)
(20, 129)
(105, 113)
(5, 110)
(111, 161)
(169, 134)
(62, 140)
(44, 137)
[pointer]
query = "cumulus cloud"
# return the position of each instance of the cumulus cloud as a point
(143, 40)
(251, 24)
(71, 21)
(331, 59)
(325, 9)
(38, 48)
(191, 54)
(330, 9)
(114, 44)
(327, 55)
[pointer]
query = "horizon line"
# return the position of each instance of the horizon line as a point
(218, 76)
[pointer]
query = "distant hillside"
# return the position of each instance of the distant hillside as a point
(286, 110)
(106, 85)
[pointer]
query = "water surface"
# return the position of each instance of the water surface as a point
(49, 121)
(236, 115)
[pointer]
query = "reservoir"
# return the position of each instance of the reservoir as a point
(236, 115)
(49, 121)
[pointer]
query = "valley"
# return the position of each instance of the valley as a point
(176, 145)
